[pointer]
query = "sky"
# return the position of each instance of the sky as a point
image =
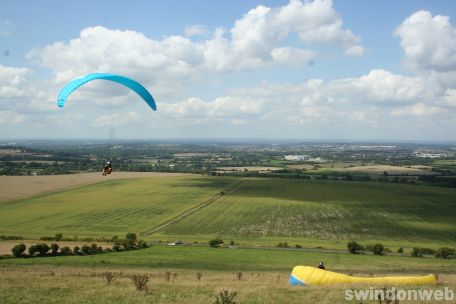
(246, 69)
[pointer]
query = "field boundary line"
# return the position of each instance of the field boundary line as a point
(194, 209)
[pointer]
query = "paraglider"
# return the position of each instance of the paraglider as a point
(306, 275)
(129, 83)
(107, 168)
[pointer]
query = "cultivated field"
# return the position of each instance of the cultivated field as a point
(15, 187)
(247, 211)
(391, 170)
(303, 210)
(251, 211)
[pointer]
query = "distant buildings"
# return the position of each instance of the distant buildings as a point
(306, 158)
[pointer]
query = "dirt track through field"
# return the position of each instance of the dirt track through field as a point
(16, 187)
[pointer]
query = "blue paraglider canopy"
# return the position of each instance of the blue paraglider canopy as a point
(129, 83)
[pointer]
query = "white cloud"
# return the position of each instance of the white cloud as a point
(417, 110)
(383, 86)
(257, 39)
(196, 30)
(117, 119)
(8, 117)
(220, 108)
(429, 43)
(13, 81)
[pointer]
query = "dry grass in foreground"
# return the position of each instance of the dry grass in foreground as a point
(46, 284)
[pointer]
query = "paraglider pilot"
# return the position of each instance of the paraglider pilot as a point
(321, 266)
(107, 168)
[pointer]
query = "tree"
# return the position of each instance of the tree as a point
(58, 237)
(76, 250)
(354, 247)
(131, 237)
(216, 242)
(42, 248)
(377, 249)
(18, 250)
(85, 249)
(32, 250)
(65, 250)
(54, 248)
(445, 252)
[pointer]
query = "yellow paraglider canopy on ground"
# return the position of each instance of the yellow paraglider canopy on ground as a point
(306, 275)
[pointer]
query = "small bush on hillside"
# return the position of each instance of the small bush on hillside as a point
(226, 297)
(216, 242)
(108, 277)
(42, 248)
(32, 250)
(54, 248)
(76, 250)
(400, 250)
(378, 249)
(18, 250)
(85, 249)
(65, 250)
(140, 281)
(354, 247)
(420, 251)
(445, 252)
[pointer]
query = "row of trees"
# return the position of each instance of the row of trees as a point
(379, 249)
(42, 249)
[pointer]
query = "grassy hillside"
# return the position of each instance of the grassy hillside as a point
(50, 284)
(107, 209)
(255, 210)
(243, 259)
(328, 210)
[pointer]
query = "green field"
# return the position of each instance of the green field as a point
(107, 209)
(258, 211)
(243, 259)
(78, 279)
(251, 211)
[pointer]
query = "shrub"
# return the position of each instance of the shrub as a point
(32, 250)
(18, 250)
(298, 246)
(419, 251)
(42, 248)
(239, 275)
(416, 252)
(216, 242)
(65, 250)
(378, 249)
(198, 276)
(109, 277)
(140, 281)
(445, 252)
(226, 297)
(94, 249)
(85, 249)
(54, 248)
(131, 237)
(58, 237)
(354, 247)
(76, 250)
(400, 250)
